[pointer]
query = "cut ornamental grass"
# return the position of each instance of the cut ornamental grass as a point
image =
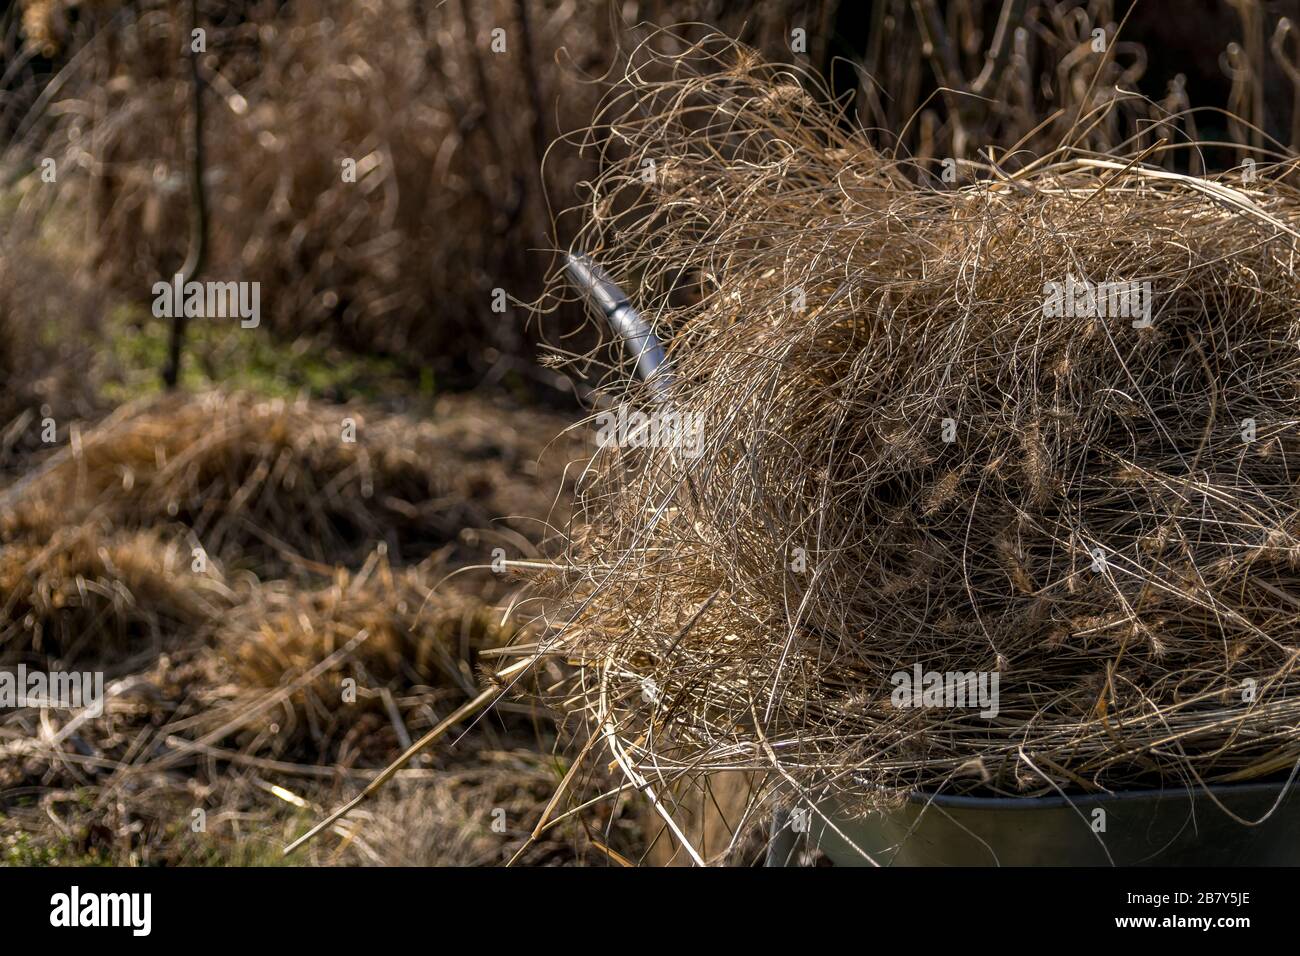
(354, 671)
(294, 693)
(356, 666)
(122, 545)
(258, 699)
(279, 483)
(275, 651)
(1113, 530)
(291, 693)
(84, 596)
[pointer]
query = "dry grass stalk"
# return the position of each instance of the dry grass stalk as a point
(276, 482)
(412, 657)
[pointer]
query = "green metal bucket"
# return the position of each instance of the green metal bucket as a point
(1183, 827)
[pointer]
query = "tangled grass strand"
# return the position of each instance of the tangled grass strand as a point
(1112, 529)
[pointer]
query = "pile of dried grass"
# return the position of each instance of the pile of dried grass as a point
(86, 596)
(273, 481)
(269, 707)
(354, 670)
(1103, 532)
(216, 689)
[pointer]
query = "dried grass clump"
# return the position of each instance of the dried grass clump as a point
(86, 596)
(274, 481)
(749, 608)
(409, 657)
